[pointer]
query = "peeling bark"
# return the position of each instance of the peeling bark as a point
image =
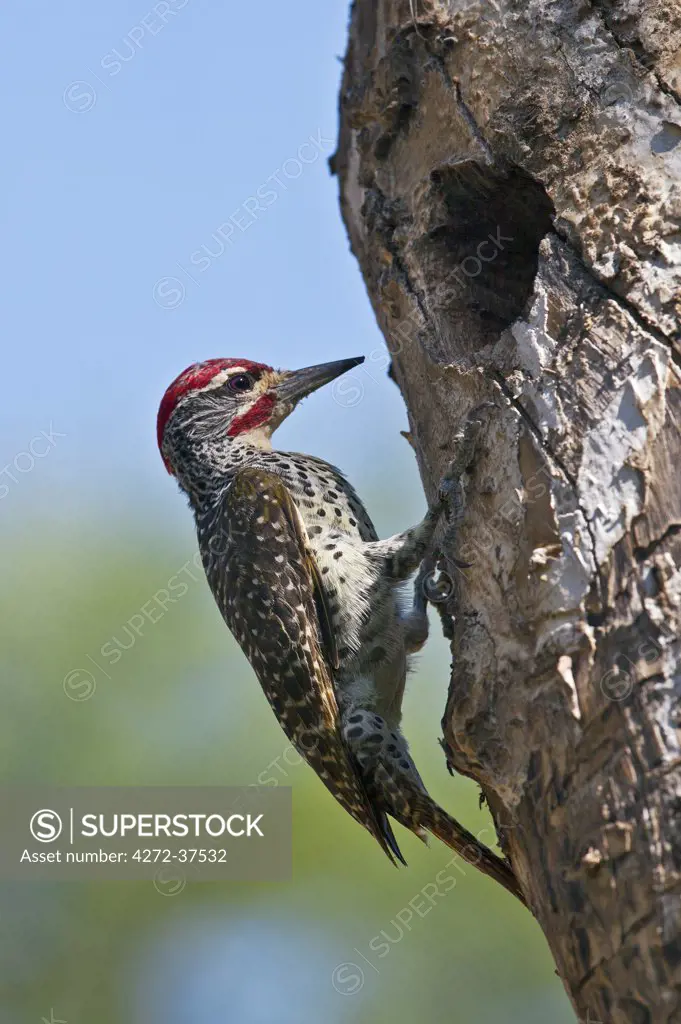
(510, 178)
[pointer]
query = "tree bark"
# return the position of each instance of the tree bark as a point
(510, 180)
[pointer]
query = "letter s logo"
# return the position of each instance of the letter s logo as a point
(46, 826)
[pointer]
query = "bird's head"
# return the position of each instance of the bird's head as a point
(226, 402)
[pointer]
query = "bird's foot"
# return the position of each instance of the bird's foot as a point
(465, 443)
(451, 492)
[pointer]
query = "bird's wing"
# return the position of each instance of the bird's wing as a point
(266, 582)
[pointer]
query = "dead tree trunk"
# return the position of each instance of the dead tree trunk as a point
(510, 178)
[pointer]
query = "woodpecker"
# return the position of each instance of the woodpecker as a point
(312, 596)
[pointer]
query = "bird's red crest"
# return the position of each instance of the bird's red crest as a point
(195, 378)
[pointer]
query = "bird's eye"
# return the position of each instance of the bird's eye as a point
(240, 382)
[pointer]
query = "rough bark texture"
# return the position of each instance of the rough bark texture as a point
(510, 180)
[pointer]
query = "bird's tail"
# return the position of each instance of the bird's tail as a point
(427, 815)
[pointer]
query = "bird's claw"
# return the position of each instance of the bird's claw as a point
(460, 564)
(465, 442)
(466, 439)
(450, 491)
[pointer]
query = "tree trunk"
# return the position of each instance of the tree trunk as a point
(510, 181)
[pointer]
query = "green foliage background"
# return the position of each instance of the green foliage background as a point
(182, 707)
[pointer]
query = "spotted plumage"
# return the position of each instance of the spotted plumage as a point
(311, 594)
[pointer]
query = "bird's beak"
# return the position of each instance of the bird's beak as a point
(296, 384)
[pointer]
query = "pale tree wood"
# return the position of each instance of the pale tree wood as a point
(510, 178)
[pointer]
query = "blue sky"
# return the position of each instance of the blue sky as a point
(137, 133)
